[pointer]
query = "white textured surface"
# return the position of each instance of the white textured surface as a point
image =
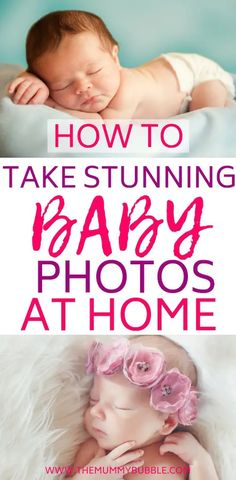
(42, 399)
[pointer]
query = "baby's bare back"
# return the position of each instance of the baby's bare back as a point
(148, 91)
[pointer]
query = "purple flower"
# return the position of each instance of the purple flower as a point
(106, 359)
(144, 366)
(171, 393)
(188, 412)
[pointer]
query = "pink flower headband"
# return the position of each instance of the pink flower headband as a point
(171, 391)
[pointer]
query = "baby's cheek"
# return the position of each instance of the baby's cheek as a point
(87, 419)
(60, 98)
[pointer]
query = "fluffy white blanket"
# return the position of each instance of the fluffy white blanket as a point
(44, 393)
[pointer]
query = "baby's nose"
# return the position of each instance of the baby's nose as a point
(97, 411)
(82, 86)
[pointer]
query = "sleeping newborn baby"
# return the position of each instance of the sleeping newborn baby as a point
(73, 65)
(142, 397)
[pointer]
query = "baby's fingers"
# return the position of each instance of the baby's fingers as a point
(14, 84)
(20, 94)
(169, 447)
(118, 451)
(130, 458)
(28, 95)
(40, 97)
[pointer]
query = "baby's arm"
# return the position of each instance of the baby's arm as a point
(117, 113)
(74, 113)
(189, 449)
(28, 89)
(209, 94)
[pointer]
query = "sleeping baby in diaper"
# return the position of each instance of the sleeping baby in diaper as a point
(142, 398)
(73, 65)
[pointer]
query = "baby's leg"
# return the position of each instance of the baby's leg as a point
(209, 94)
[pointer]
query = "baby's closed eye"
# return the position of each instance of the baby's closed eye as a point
(93, 401)
(95, 71)
(58, 89)
(125, 409)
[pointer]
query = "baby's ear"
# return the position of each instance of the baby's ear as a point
(115, 51)
(169, 425)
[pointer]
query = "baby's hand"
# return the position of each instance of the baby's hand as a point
(28, 89)
(185, 446)
(118, 457)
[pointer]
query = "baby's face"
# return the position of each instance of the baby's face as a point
(120, 411)
(80, 73)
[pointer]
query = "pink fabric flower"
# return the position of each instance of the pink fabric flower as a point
(171, 393)
(188, 412)
(144, 366)
(111, 357)
(106, 359)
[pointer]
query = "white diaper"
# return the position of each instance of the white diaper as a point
(192, 69)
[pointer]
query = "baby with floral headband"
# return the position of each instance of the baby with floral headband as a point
(142, 390)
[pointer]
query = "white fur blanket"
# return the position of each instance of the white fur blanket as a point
(44, 393)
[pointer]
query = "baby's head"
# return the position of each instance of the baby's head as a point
(137, 393)
(74, 53)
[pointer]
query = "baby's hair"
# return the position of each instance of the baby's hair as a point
(46, 34)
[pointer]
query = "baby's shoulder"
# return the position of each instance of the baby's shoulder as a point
(87, 450)
(127, 91)
(153, 457)
(90, 443)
